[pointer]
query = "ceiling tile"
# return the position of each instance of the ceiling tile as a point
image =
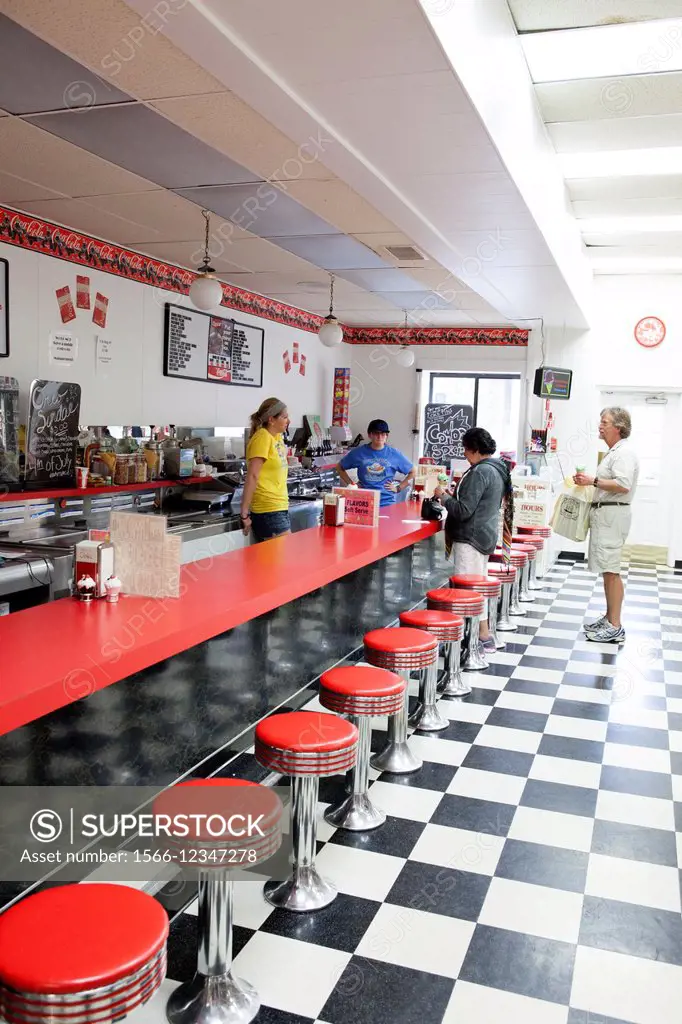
(332, 252)
(610, 98)
(60, 84)
(319, 303)
(644, 132)
(538, 15)
(81, 216)
(630, 187)
(339, 205)
(49, 162)
(383, 280)
(185, 254)
(416, 300)
(18, 190)
(145, 143)
(229, 125)
(109, 37)
(262, 209)
(166, 216)
(260, 256)
(616, 207)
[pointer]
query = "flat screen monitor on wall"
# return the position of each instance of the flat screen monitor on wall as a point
(553, 383)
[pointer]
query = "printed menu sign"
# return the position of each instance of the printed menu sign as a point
(52, 433)
(444, 428)
(362, 506)
(213, 349)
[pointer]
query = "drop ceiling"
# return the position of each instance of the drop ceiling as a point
(608, 80)
(137, 121)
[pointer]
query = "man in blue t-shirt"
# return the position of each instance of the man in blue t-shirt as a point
(377, 464)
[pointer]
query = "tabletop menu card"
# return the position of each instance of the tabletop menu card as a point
(212, 349)
(52, 434)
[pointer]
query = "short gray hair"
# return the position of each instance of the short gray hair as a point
(621, 419)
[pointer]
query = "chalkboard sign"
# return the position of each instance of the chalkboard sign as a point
(52, 434)
(444, 427)
(214, 349)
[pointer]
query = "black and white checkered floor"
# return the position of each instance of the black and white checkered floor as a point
(530, 872)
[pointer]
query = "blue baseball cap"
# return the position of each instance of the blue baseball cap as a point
(378, 427)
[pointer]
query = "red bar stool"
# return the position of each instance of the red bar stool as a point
(217, 844)
(491, 589)
(470, 605)
(89, 953)
(506, 574)
(538, 531)
(399, 650)
(449, 630)
(519, 559)
(538, 543)
(443, 627)
(361, 692)
(529, 550)
(305, 745)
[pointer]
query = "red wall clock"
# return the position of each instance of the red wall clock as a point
(650, 332)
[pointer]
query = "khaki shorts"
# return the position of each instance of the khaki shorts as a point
(467, 560)
(609, 528)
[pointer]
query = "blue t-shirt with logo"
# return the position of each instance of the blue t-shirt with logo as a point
(376, 468)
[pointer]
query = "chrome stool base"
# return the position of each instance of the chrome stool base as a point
(426, 716)
(533, 583)
(396, 757)
(306, 890)
(473, 658)
(357, 813)
(217, 999)
(524, 593)
(452, 683)
(514, 606)
(493, 605)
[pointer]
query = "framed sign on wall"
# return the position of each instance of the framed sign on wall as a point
(212, 349)
(4, 308)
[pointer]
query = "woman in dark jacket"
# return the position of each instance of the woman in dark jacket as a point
(472, 526)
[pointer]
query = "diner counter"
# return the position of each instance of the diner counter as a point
(55, 654)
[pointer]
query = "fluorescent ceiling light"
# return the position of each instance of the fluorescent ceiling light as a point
(604, 51)
(629, 225)
(649, 265)
(622, 163)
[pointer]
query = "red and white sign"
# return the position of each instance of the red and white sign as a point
(650, 332)
(362, 506)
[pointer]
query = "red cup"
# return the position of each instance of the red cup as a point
(82, 474)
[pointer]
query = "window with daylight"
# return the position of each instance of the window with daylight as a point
(495, 398)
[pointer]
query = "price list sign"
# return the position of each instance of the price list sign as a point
(212, 349)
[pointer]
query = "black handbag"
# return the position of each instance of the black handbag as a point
(432, 509)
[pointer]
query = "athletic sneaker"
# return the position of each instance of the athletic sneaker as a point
(608, 634)
(593, 627)
(488, 646)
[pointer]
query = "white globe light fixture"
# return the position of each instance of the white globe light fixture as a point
(331, 331)
(206, 291)
(405, 356)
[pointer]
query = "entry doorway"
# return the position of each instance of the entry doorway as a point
(655, 417)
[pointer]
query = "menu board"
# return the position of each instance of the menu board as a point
(444, 428)
(52, 433)
(212, 349)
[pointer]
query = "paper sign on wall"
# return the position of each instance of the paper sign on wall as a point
(104, 354)
(63, 347)
(362, 506)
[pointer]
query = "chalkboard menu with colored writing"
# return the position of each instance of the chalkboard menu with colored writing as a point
(52, 433)
(212, 349)
(444, 427)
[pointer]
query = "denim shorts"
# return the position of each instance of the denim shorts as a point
(266, 525)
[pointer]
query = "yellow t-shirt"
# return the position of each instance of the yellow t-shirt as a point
(271, 493)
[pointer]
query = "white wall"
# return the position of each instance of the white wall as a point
(134, 390)
(608, 356)
(382, 388)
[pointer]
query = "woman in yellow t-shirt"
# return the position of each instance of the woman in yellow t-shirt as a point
(265, 501)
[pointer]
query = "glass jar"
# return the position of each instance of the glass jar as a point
(121, 469)
(132, 469)
(140, 468)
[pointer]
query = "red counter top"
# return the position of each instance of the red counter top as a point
(56, 494)
(56, 653)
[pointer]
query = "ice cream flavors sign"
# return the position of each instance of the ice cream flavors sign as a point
(362, 506)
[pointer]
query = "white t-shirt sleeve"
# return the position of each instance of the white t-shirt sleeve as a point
(623, 468)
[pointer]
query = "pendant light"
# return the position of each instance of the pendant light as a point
(331, 331)
(206, 292)
(405, 356)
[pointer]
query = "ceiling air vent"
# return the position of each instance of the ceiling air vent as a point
(405, 254)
